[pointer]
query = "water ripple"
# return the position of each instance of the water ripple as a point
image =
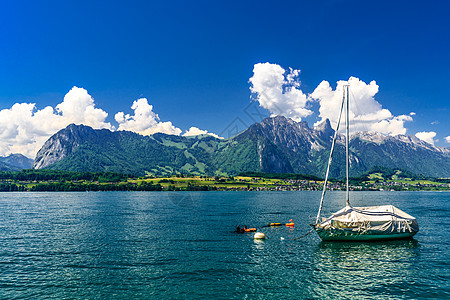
(140, 245)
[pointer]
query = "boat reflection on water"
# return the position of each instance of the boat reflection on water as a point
(362, 270)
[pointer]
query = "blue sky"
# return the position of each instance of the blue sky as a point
(192, 60)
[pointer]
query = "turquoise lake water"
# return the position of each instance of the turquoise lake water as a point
(180, 245)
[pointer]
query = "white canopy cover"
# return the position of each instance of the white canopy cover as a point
(384, 221)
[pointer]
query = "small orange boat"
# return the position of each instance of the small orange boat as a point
(291, 223)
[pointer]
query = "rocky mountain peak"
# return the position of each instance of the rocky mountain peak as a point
(324, 129)
(370, 136)
(323, 126)
(61, 144)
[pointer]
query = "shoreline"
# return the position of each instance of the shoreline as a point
(54, 181)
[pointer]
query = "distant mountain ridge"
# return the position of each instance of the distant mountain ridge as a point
(81, 148)
(275, 145)
(15, 162)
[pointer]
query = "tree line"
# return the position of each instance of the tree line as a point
(78, 187)
(46, 175)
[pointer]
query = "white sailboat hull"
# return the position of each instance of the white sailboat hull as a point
(344, 235)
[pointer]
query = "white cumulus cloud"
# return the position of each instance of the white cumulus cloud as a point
(447, 139)
(193, 131)
(427, 136)
(366, 114)
(78, 107)
(144, 121)
(24, 128)
(277, 90)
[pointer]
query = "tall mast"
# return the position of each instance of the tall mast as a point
(347, 138)
(330, 158)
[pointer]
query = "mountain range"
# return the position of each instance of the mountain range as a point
(15, 162)
(275, 145)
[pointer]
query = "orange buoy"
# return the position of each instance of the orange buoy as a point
(250, 229)
(275, 224)
(291, 223)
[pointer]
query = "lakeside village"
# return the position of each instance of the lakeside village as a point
(51, 180)
(244, 183)
(305, 185)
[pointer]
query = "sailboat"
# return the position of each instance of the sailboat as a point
(383, 222)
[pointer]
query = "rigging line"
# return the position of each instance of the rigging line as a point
(357, 111)
(347, 138)
(380, 213)
(359, 125)
(329, 160)
(304, 235)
